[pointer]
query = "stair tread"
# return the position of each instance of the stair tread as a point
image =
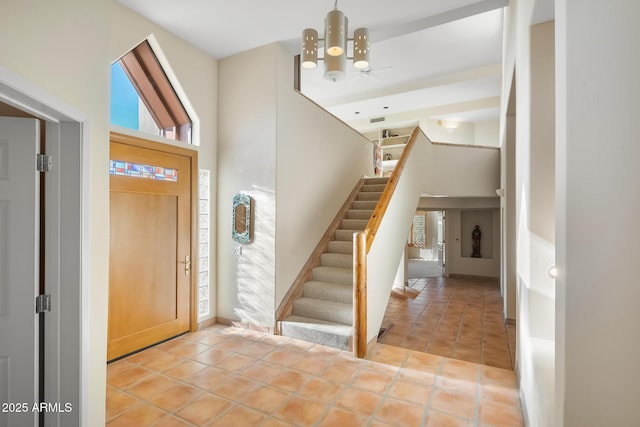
(337, 327)
(330, 311)
(328, 291)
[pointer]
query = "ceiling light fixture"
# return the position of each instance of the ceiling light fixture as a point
(335, 46)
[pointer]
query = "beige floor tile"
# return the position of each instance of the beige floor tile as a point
(127, 377)
(289, 380)
(337, 417)
(141, 415)
(499, 415)
(400, 412)
(357, 400)
(411, 392)
(236, 387)
(203, 409)
(321, 389)
(119, 403)
(185, 369)
(171, 421)
(151, 386)
(378, 382)
(239, 416)
(453, 403)
(300, 411)
(208, 378)
(175, 397)
(260, 379)
(438, 419)
(266, 399)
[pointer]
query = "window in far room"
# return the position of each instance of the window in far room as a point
(143, 98)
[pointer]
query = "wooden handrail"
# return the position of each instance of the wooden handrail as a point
(295, 291)
(362, 242)
(383, 203)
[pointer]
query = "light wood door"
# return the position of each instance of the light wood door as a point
(19, 272)
(150, 263)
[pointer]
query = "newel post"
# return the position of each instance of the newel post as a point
(360, 294)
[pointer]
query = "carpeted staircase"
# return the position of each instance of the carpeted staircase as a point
(324, 313)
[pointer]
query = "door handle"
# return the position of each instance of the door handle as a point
(187, 265)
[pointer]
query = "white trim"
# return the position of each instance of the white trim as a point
(18, 92)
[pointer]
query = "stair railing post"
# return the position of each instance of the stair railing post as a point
(360, 294)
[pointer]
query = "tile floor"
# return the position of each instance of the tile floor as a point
(459, 318)
(237, 377)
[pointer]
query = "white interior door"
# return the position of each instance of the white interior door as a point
(19, 270)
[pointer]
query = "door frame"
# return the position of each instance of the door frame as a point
(68, 272)
(142, 142)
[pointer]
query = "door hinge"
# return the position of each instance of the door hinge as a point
(43, 303)
(44, 162)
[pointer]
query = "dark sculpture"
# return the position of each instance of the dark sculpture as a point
(476, 235)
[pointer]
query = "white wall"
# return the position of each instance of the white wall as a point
(598, 65)
(298, 163)
(65, 48)
(319, 161)
(194, 76)
(461, 171)
(390, 241)
(487, 133)
(40, 41)
(458, 242)
(247, 164)
(530, 48)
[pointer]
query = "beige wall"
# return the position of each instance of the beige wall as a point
(298, 162)
(62, 48)
(65, 48)
(597, 175)
(43, 56)
(193, 73)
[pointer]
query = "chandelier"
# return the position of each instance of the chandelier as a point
(335, 46)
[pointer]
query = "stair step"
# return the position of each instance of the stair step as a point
(359, 214)
(328, 291)
(354, 224)
(368, 196)
(369, 205)
(341, 247)
(336, 260)
(329, 311)
(375, 188)
(345, 235)
(316, 331)
(373, 181)
(342, 276)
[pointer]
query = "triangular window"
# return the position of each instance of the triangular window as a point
(142, 98)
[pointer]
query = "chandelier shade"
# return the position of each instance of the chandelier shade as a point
(309, 48)
(361, 48)
(335, 33)
(335, 46)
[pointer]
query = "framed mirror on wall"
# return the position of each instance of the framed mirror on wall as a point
(241, 229)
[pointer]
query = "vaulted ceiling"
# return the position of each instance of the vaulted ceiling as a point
(441, 55)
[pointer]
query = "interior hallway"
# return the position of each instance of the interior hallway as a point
(225, 376)
(459, 318)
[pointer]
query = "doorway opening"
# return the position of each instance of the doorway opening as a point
(426, 245)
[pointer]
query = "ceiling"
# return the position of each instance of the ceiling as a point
(440, 55)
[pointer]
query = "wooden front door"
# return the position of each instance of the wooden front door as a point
(150, 265)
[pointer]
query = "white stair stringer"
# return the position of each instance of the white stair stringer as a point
(324, 312)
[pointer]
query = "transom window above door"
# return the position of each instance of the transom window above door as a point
(143, 98)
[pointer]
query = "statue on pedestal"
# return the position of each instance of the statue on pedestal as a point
(476, 235)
